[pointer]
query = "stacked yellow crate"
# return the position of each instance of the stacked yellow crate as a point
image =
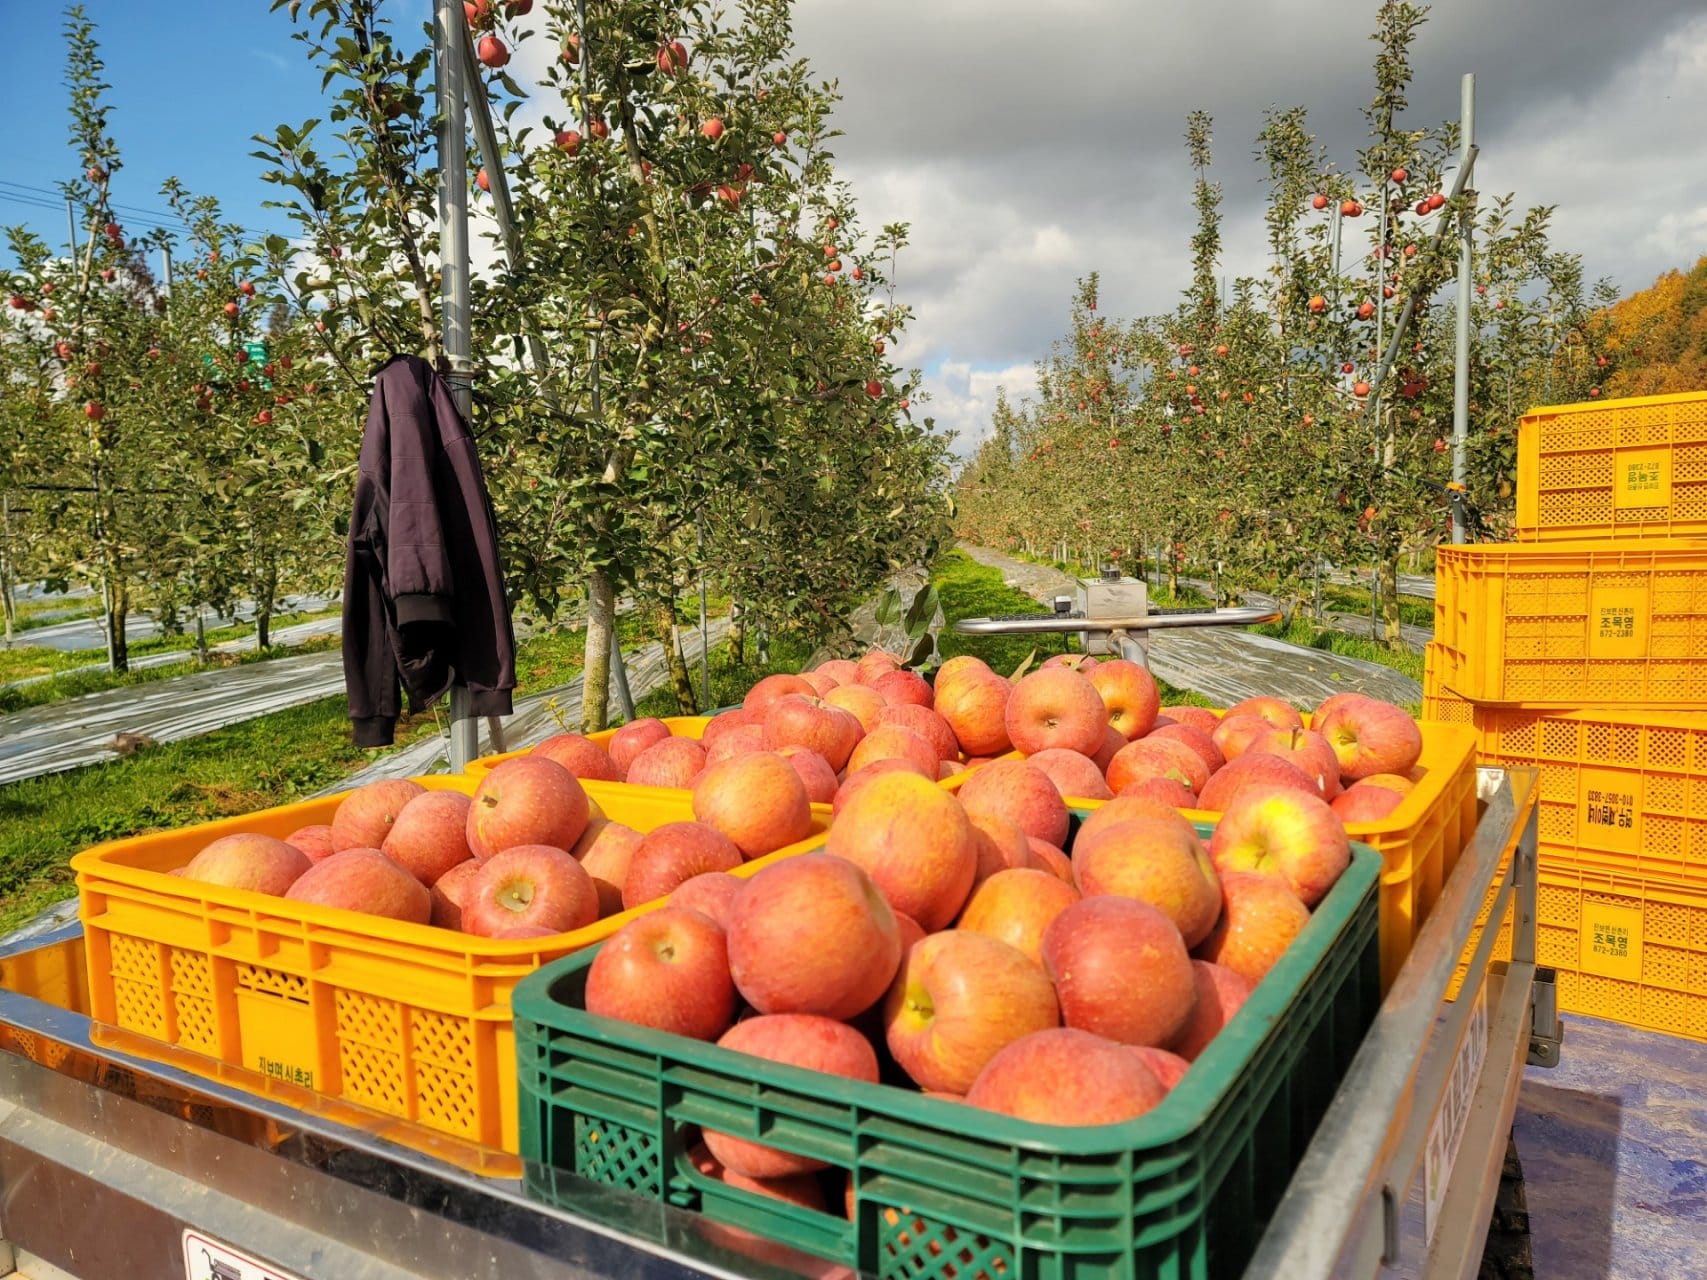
(1581, 651)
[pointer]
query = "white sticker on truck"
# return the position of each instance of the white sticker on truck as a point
(207, 1259)
(1447, 1129)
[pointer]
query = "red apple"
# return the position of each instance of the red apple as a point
(800, 1040)
(606, 852)
(960, 667)
(1073, 774)
(814, 724)
(976, 709)
(876, 769)
(876, 663)
(1016, 906)
(363, 818)
(1129, 693)
(820, 683)
(1189, 736)
(1155, 861)
(1284, 833)
(1167, 791)
(1279, 713)
(1080, 662)
(1157, 758)
(1258, 772)
(1220, 992)
(1046, 857)
(892, 740)
(667, 969)
(1001, 846)
(430, 835)
(914, 841)
(1371, 737)
(860, 701)
(709, 893)
(1112, 742)
(528, 800)
(1309, 751)
(635, 736)
(1363, 803)
(315, 841)
(1056, 708)
(672, 854)
(803, 1189)
(529, 885)
(902, 689)
(363, 880)
(1259, 919)
(1126, 808)
(927, 724)
(1235, 734)
(1020, 792)
(738, 741)
(1200, 718)
(672, 762)
(812, 934)
(583, 758)
(1169, 1068)
(841, 670)
(815, 773)
(757, 800)
(1066, 1077)
(1329, 703)
(1401, 783)
(1120, 970)
(772, 687)
(958, 999)
(448, 892)
(260, 864)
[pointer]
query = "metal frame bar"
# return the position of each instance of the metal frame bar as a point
(1057, 623)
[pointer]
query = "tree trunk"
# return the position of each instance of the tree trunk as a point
(201, 636)
(264, 599)
(681, 683)
(119, 598)
(595, 673)
(1391, 634)
(738, 632)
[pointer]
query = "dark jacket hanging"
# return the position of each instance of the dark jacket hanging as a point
(424, 601)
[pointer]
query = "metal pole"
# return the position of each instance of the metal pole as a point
(1381, 267)
(71, 226)
(166, 268)
(1339, 219)
(704, 627)
(450, 34)
(619, 673)
(1461, 358)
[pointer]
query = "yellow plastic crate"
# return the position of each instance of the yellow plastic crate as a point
(1627, 948)
(1613, 469)
(1573, 624)
(403, 1030)
(679, 726)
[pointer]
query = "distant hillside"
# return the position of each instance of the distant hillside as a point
(1658, 337)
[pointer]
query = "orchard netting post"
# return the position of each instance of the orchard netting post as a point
(1461, 356)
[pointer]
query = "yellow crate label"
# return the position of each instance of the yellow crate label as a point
(289, 1072)
(1608, 810)
(1642, 478)
(1612, 941)
(1618, 622)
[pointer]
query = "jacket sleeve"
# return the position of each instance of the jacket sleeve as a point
(370, 673)
(417, 567)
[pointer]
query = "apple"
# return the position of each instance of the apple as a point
(709, 893)
(736, 742)
(1200, 718)
(1067, 1077)
(712, 129)
(672, 854)
(772, 687)
(841, 670)
(1155, 861)
(1279, 713)
(1235, 734)
(902, 689)
(911, 932)
(1081, 662)
(1055, 708)
(815, 772)
(1370, 737)
(915, 842)
(672, 762)
(1020, 792)
(668, 970)
(315, 841)
(812, 934)
(261, 864)
(962, 666)
(582, 757)
(1129, 693)
(876, 663)
(528, 800)
(860, 701)
(1112, 742)
(1126, 808)
(606, 852)
(363, 818)
(820, 683)
(1329, 703)
(892, 740)
(1167, 791)
(1193, 737)
(363, 880)
(927, 724)
(958, 999)
(1309, 751)
(1047, 857)
(975, 707)
(1000, 844)
(803, 1189)
(808, 1041)
(757, 800)
(1285, 833)
(1258, 772)
(1401, 783)
(1073, 774)
(1157, 758)
(1363, 803)
(1016, 906)
(1220, 992)
(635, 736)
(812, 723)
(876, 769)
(529, 885)
(430, 835)
(492, 52)
(447, 893)
(1169, 1068)
(1121, 970)
(1260, 917)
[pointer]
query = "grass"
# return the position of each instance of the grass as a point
(1308, 636)
(1342, 599)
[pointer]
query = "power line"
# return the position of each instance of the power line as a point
(43, 198)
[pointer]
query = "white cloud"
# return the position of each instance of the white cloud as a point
(962, 398)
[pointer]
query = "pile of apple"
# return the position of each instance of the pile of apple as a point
(527, 856)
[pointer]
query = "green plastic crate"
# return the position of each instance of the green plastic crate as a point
(945, 1191)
